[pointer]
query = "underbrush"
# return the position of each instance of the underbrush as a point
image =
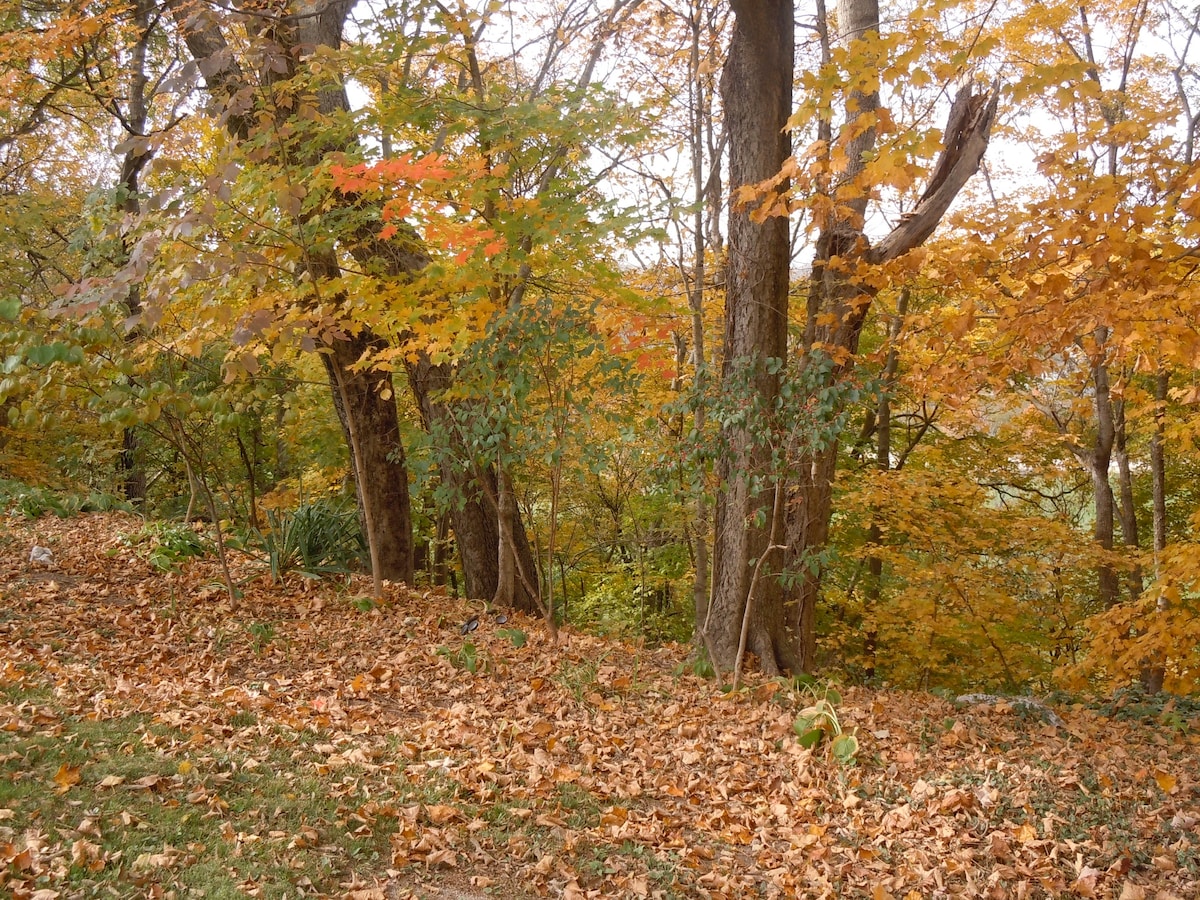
(32, 501)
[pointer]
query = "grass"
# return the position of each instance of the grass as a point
(115, 806)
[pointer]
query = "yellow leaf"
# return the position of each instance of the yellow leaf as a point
(1166, 781)
(65, 777)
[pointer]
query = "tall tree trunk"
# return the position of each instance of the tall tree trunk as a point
(756, 86)
(1096, 461)
(506, 571)
(1126, 507)
(838, 301)
(783, 631)
(1155, 672)
(705, 234)
(135, 118)
(371, 428)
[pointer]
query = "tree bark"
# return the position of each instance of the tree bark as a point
(1096, 460)
(1155, 672)
(783, 632)
(838, 302)
(1126, 507)
(756, 86)
(474, 512)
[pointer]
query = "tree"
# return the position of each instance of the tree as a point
(756, 89)
(285, 44)
(782, 630)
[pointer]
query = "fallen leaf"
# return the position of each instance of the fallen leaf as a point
(1165, 780)
(66, 777)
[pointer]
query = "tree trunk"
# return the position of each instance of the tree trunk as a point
(474, 512)
(506, 571)
(1155, 672)
(384, 505)
(1126, 507)
(757, 89)
(133, 472)
(1097, 461)
(838, 302)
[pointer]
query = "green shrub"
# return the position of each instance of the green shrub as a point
(315, 539)
(819, 721)
(33, 501)
(167, 544)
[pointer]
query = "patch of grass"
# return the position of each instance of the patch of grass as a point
(581, 808)
(661, 869)
(126, 806)
(578, 677)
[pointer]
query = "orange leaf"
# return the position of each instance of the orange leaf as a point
(65, 777)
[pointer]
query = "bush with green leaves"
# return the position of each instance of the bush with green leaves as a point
(167, 544)
(32, 501)
(314, 539)
(621, 604)
(819, 722)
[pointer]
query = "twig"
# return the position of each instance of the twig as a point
(776, 509)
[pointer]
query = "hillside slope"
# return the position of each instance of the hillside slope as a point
(157, 740)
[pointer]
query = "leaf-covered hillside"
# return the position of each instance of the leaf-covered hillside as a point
(157, 741)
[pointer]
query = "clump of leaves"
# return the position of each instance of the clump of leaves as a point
(169, 544)
(819, 722)
(263, 633)
(1133, 703)
(517, 636)
(465, 657)
(314, 539)
(32, 501)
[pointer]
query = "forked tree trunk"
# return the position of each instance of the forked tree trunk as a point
(474, 512)
(1096, 460)
(782, 629)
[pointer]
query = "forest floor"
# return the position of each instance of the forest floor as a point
(158, 741)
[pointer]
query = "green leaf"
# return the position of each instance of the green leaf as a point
(44, 354)
(516, 635)
(844, 748)
(10, 308)
(809, 739)
(467, 656)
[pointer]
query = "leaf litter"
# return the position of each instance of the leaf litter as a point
(519, 769)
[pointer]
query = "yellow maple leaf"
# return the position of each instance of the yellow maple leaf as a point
(1165, 780)
(65, 777)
